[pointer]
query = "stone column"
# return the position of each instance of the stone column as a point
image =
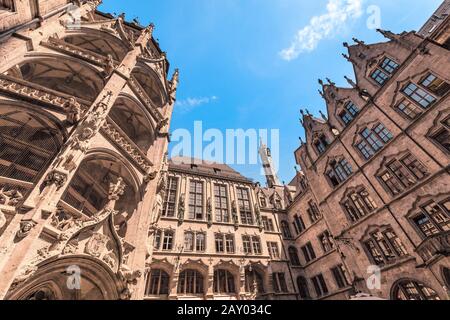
(44, 198)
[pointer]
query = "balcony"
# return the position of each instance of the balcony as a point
(434, 246)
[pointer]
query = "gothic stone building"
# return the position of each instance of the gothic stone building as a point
(87, 192)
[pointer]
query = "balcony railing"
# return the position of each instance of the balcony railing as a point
(34, 92)
(434, 246)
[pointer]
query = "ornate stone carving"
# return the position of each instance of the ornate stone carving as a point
(64, 221)
(25, 228)
(209, 212)
(117, 189)
(2, 219)
(10, 198)
(73, 110)
(109, 66)
(55, 178)
(96, 245)
(234, 214)
(129, 278)
(181, 208)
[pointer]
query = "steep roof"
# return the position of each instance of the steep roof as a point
(206, 168)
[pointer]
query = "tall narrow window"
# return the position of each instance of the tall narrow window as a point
(229, 243)
(200, 242)
(196, 200)
(293, 256)
(171, 196)
(220, 245)
(338, 172)
(358, 204)
(251, 245)
(268, 224)
(373, 140)
(326, 241)
(168, 240)
(244, 206)
(303, 289)
(320, 285)
(224, 243)
(221, 203)
(442, 136)
(308, 252)
(313, 212)
(299, 224)
(339, 276)
(189, 241)
(433, 218)
(402, 174)
(321, 144)
(274, 250)
(286, 231)
(384, 246)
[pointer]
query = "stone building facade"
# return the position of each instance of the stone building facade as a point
(85, 107)
(92, 208)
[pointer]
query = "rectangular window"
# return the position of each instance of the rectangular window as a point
(339, 172)
(268, 224)
(279, 282)
(409, 109)
(345, 117)
(168, 240)
(389, 65)
(189, 241)
(247, 247)
(171, 198)
(157, 240)
(196, 200)
(274, 251)
(200, 242)
(326, 241)
(442, 137)
(434, 218)
(221, 203)
(308, 252)
(373, 140)
(339, 276)
(384, 246)
(244, 206)
(320, 285)
(418, 95)
(313, 212)
(436, 85)
(229, 243)
(379, 76)
(256, 245)
(299, 224)
(220, 246)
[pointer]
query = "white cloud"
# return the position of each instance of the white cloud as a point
(188, 104)
(339, 12)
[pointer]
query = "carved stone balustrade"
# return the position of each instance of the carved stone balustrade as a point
(75, 51)
(433, 246)
(139, 91)
(130, 149)
(33, 92)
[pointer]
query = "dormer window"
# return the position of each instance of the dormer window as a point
(321, 144)
(339, 172)
(384, 71)
(349, 113)
(262, 202)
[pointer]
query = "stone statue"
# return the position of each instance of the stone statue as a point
(73, 110)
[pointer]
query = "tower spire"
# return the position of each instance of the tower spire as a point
(269, 168)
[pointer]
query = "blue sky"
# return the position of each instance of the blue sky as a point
(233, 74)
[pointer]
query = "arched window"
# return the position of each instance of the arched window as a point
(253, 278)
(130, 118)
(190, 282)
(157, 283)
(413, 290)
(27, 144)
(88, 190)
(293, 256)
(151, 85)
(286, 230)
(303, 290)
(224, 282)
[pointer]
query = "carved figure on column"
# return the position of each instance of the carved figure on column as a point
(73, 110)
(25, 229)
(181, 209)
